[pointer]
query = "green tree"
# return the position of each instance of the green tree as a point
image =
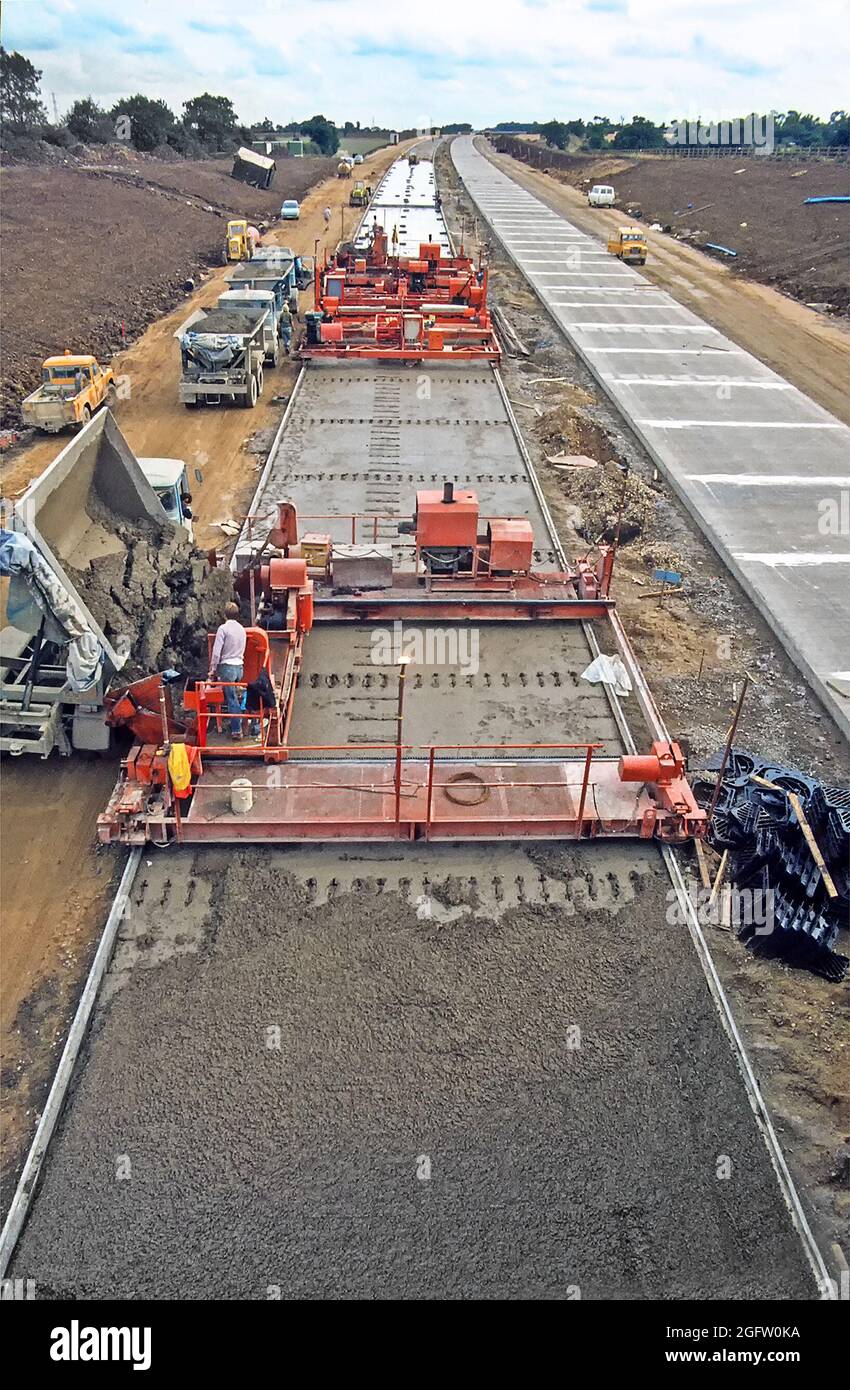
(322, 132)
(20, 97)
(212, 119)
(639, 133)
(89, 122)
(838, 131)
(555, 133)
(151, 122)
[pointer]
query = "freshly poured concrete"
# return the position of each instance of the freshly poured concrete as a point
(763, 470)
(408, 1072)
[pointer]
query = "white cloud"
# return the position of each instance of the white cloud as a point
(480, 62)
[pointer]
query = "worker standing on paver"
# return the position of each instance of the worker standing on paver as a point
(227, 661)
(285, 328)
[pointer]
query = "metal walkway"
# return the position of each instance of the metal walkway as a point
(761, 468)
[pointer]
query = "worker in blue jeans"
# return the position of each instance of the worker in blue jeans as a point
(227, 663)
(285, 328)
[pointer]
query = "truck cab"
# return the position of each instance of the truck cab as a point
(628, 244)
(73, 387)
(170, 482)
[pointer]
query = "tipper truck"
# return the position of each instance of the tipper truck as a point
(221, 354)
(73, 387)
(273, 273)
(56, 660)
(262, 300)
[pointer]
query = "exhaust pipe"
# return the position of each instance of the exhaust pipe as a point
(448, 492)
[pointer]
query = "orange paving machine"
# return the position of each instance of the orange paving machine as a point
(408, 308)
(451, 565)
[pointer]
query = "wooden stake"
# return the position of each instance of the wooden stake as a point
(721, 873)
(705, 877)
(808, 834)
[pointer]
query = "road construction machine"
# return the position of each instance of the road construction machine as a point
(241, 240)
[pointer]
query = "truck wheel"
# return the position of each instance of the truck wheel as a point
(249, 400)
(86, 414)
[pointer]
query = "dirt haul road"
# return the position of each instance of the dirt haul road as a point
(804, 347)
(55, 883)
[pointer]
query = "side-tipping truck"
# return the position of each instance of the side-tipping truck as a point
(221, 356)
(56, 657)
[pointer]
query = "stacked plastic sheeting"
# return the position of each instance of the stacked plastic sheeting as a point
(769, 854)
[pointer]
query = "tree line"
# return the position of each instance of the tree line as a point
(790, 128)
(207, 124)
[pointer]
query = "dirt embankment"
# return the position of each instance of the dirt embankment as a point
(754, 206)
(94, 251)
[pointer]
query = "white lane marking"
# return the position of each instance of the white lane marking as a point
(769, 480)
(672, 351)
(602, 274)
(796, 559)
(642, 327)
(593, 304)
(743, 424)
(700, 381)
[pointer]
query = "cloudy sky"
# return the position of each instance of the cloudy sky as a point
(480, 60)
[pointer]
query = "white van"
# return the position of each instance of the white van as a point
(601, 195)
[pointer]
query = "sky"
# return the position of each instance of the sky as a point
(423, 64)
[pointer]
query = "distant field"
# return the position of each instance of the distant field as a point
(362, 144)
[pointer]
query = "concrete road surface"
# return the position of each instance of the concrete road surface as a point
(763, 470)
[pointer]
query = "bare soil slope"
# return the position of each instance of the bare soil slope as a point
(91, 247)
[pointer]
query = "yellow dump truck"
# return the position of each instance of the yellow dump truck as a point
(628, 244)
(343, 169)
(239, 245)
(72, 388)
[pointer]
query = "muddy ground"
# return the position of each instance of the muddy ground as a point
(755, 206)
(94, 251)
(694, 649)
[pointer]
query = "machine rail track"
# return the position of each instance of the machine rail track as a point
(189, 891)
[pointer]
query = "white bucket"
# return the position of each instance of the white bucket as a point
(241, 796)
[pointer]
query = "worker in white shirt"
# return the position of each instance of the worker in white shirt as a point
(227, 662)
